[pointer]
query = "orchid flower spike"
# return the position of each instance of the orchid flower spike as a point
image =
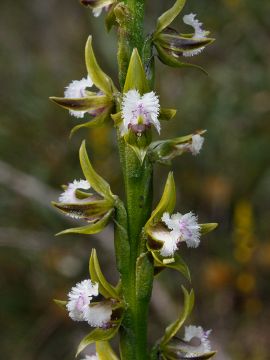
(199, 33)
(80, 308)
(182, 228)
(139, 112)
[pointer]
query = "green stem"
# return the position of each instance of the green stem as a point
(137, 279)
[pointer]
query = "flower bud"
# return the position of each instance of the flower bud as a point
(166, 150)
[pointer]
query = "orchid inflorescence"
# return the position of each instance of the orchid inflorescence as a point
(146, 241)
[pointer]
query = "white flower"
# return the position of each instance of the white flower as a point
(69, 195)
(197, 332)
(80, 297)
(139, 112)
(98, 315)
(76, 90)
(196, 144)
(199, 33)
(92, 357)
(183, 228)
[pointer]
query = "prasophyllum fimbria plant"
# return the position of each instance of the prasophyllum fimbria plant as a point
(146, 241)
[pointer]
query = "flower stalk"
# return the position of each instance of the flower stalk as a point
(138, 180)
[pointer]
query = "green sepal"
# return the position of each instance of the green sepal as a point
(117, 118)
(98, 334)
(92, 228)
(98, 121)
(104, 351)
(61, 303)
(175, 263)
(140, 140)
(167, 18)
(91, 210)
(167, 114)
(139, 144)
(174, 352)
(179, 44)
(97, 182)
(172, 329)
(136, 77)
(206, 228)
(170, 60)
(99, 78)
(96, 275)
(140, 152)
(166, 204)
(110, 19)
(82, 104)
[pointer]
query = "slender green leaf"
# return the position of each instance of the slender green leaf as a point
(107, 290)
(167, 18)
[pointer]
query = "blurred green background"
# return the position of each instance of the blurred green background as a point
(42, 47)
